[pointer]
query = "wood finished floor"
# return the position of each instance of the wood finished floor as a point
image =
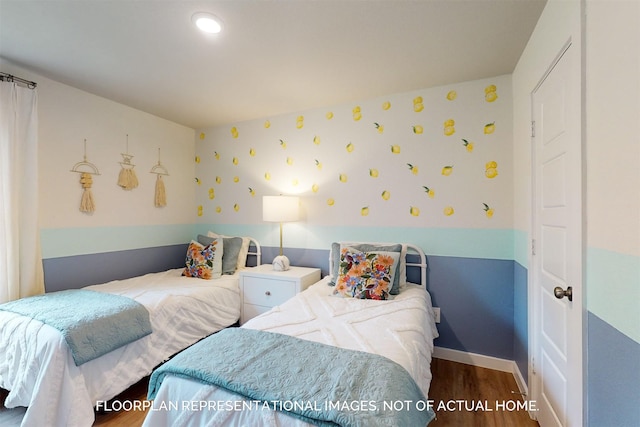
(451, 382)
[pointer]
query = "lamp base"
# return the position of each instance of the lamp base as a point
(281, 263)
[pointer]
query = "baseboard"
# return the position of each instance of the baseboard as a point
(483, 361)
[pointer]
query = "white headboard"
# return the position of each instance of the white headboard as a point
(422, 264)
(257, 252)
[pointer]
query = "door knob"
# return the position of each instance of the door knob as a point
(561, 293)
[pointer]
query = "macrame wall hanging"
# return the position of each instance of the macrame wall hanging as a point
(160, 199)
(127, 178)
(86, 169)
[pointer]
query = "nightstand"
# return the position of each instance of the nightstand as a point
(263, 288)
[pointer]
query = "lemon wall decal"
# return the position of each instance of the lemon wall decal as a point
(449, 127)
(357, 113)
(430, 192)
(488, 210)
(489, 128)
(490, 94)
(380, 132)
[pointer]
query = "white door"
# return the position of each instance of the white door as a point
(557, 247)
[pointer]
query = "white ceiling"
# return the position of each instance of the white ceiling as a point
(273, 57)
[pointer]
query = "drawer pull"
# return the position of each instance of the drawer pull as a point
(267, 293)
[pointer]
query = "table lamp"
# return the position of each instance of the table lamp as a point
(280, 209)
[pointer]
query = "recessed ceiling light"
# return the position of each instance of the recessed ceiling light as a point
(207, 22)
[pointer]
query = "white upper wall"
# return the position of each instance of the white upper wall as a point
(613, 125)
(66, 117)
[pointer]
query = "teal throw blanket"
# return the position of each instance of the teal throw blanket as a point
(318, 383)
(92, 323)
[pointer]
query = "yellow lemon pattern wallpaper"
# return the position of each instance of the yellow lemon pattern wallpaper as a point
(438, 157)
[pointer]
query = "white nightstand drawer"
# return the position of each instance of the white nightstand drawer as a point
(267, 292)
(250, 311)
(263, 288)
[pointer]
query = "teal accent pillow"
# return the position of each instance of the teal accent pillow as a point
(364, 247)
(231, 245)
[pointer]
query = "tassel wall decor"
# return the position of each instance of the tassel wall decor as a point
(86, 204)
(160, 199)
(127, 178)
(86, 169)
(161, 196)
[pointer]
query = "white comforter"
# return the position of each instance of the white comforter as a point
(38, 369)
(402, 329)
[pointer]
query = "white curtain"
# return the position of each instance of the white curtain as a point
(21, 271)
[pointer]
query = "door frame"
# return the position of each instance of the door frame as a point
(534, 383)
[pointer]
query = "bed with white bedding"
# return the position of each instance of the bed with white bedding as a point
(38, 369)
(401, 329)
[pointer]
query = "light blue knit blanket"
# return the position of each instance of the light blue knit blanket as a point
(92, 323)
(317, 383)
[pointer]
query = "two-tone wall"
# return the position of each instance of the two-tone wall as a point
(431, 167)
(613, 211)
(608, 33)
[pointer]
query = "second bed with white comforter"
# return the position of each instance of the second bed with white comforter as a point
(401, 329)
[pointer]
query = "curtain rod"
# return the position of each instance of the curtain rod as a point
(10, 78)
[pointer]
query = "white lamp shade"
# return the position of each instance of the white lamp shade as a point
(280, 208)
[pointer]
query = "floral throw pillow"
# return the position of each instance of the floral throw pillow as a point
(365, 275)
(204, 261)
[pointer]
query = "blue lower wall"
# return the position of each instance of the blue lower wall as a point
(476, 301)
(74, 272)
(613, 376)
